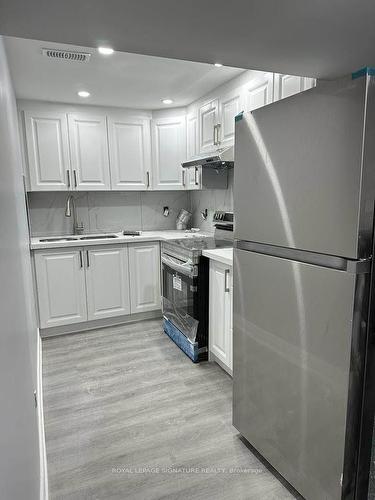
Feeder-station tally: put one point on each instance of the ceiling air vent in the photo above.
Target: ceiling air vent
(66, 55)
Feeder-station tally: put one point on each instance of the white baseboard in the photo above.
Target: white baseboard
(42, 439)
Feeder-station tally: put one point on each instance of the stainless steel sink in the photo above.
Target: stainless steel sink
(46, 240)
(79, 238)
(98, 237)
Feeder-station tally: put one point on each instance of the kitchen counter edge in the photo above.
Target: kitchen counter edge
(223, 255)
(145, 236)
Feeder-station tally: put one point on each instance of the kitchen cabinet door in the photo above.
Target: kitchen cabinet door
(194, 178)
(144, 264)
(309, 83)
(130, 153)
(258, 91)
(192, 135)
(47, 150)
(287, 85)
(169, 151)
(230, 105)
(220, 314)
(89, 152)
(193, 174)
(60, 277)
(208, 121)
(107, 282)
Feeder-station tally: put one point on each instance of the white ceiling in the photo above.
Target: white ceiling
(122, 79)
(322, 38)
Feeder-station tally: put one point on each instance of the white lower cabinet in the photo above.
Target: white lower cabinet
(144, 264)
(107, 282)
(220, 314)
(61, 287)
(84, 284)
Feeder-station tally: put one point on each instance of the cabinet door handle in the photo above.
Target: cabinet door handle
(75, 178)
(183, 177)
(195, 176)
(87, 258)
(226, 275)
(148, 179)
(68, 176)
(218, 126)
(214, 135)
(80, 259)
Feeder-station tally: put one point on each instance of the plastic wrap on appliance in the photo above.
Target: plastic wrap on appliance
(182, 320)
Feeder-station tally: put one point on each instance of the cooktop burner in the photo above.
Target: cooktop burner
(198, 244)
(191, 249)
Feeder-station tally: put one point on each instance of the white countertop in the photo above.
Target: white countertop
(223, 255)
(172, 234)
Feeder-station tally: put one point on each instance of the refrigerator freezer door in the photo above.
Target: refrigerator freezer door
(298, 171)
(291, 362)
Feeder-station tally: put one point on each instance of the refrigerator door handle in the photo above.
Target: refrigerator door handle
(362, 266)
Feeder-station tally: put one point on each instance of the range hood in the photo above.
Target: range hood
(217, 159)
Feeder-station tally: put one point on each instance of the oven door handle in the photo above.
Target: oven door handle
(185, 268)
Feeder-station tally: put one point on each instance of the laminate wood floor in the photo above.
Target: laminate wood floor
(129, 416)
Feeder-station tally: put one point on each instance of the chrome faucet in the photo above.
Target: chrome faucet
(70, 208)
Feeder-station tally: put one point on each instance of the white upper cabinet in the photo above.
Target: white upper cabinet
(287, 85)
(130, 153)
(168, 151)
(89, 152)
(193, 174)
(47, 150)
(309, 83)
(230, 105)
(258, 91)
(107, 282)
(208, 129)
(192, 135)
(60, 277)
(194, 178)
(144, 264)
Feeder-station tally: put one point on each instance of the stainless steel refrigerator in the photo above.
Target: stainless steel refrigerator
(304, 191)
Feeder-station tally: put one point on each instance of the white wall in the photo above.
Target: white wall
(19, 455)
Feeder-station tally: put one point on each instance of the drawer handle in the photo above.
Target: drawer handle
(226, 274)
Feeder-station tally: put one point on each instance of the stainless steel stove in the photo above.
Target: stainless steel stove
(185, 275)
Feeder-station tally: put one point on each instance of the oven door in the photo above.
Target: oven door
(180, 295)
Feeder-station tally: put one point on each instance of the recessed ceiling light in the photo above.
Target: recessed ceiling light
(167, 101)
(218, 65)
(83, 93)
(106, 51)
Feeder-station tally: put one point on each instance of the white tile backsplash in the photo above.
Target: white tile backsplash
(47, 213)
(212, 200)
(116, 210)
(105, 211)
(152, 208)
(111, 212)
